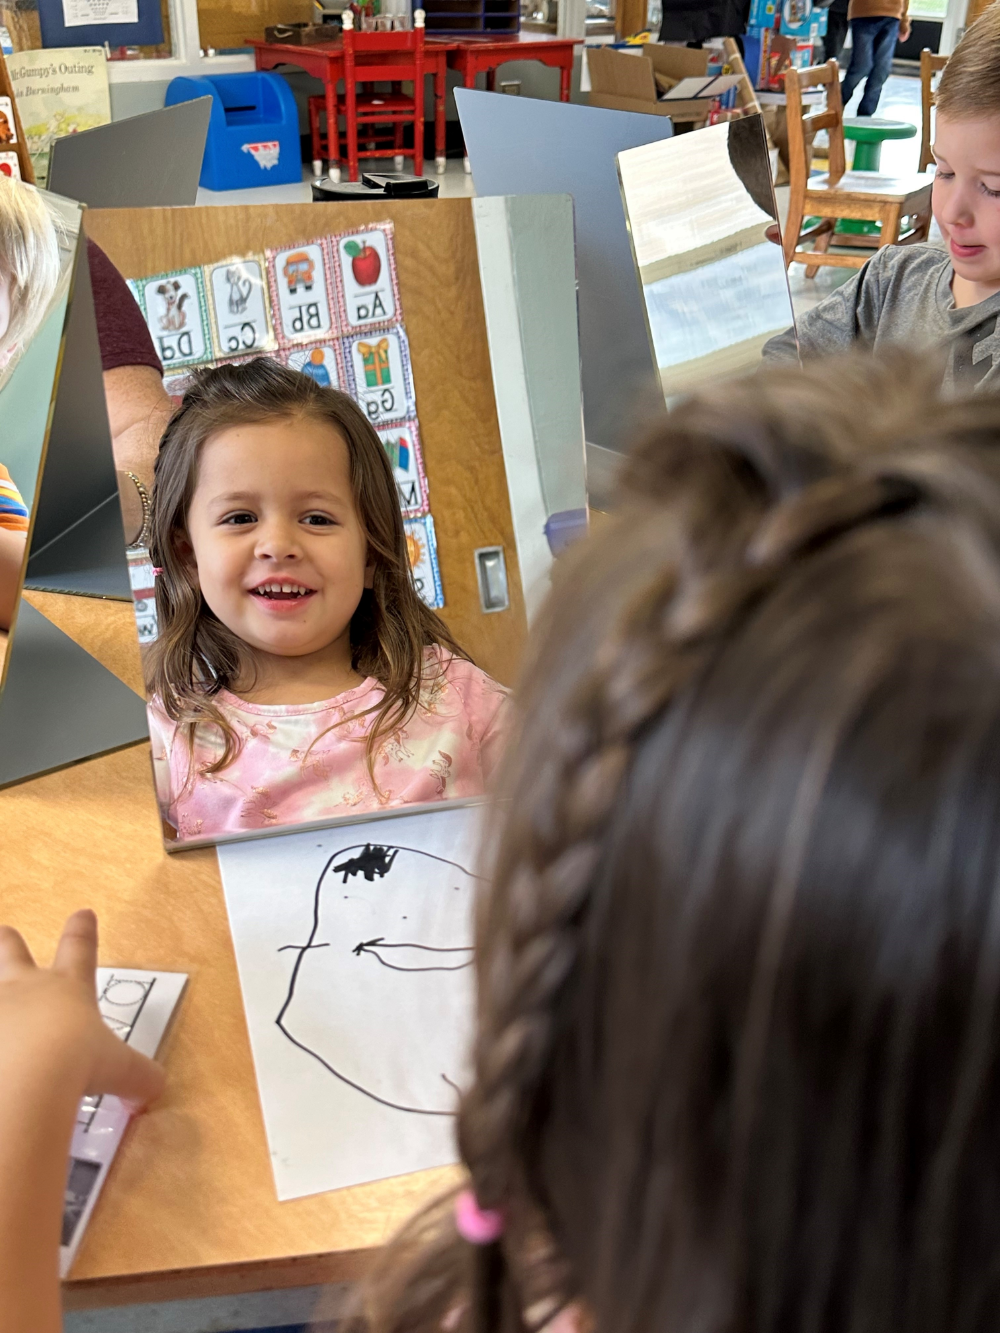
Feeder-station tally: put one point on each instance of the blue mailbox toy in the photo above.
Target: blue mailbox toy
(253, 131)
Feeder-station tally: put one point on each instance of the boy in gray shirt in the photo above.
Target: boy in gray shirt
(918, 295)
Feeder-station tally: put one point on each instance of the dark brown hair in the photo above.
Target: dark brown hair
(195, 655)
(737, 1061)
(970, 82)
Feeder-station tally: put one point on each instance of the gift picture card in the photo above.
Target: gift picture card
(238, 300)
(381, 380)
(402, 444)
(366, 265)
(321, 363)
(176, 313)
(301, 293)
(421, 547)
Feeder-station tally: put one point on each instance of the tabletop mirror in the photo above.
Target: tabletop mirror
(460, 419)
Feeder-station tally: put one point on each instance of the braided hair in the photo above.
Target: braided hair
(737, 1062)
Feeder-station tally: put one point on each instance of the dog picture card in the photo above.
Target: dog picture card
(177, 316)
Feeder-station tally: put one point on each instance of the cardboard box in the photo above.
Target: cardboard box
(622, 81)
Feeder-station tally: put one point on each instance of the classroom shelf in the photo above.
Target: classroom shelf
(469, 17)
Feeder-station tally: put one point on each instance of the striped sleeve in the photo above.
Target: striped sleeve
(13, 513)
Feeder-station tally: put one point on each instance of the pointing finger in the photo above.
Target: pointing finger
(76, 955)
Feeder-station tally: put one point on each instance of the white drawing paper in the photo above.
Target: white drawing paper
(355, 961)
(239, 307)
(365, 266)
(300, 281)
(137, 1006)
(84, 13)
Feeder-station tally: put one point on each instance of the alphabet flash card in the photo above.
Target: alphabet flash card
(402, 444)
(241, 321)
(175, 310)
(381, 381)
(300, 290)
(321, 363)
(366, 266)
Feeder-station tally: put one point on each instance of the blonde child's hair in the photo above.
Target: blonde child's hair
(970, 83)
(29, 258)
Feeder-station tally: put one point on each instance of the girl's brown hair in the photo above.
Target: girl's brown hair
(737, 1062)
(195, 655)
(970, 82)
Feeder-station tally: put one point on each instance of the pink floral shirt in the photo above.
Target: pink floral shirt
(292, 768)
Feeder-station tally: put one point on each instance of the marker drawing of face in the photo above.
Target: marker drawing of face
(382, 991)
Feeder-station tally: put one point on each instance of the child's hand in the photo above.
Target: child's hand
(50, 1021)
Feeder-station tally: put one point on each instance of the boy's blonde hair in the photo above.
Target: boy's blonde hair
(29, 259)
(970, 83)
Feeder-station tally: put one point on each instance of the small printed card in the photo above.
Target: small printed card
(366, 266)
(177, 386)
(421, 547)
(8, 131)
(321, 362)
(177, 315)
(381, 381)
(301, 293)
(402, 444)
(9, 165)
(241, 320)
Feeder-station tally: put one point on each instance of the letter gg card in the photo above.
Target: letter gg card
(366, 266)
(378, 367)
(300, 293)
(402, 444)
(321, 363)
(241, 321)
(421, 547)
(175, 310)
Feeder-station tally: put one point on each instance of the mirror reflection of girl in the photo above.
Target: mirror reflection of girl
(297, 674)
(29, 271)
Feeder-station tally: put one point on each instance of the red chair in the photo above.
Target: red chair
(375, 57)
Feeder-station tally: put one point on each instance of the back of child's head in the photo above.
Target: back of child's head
(737, 1064)
(195, 655)
(29, 260)
(970, 82)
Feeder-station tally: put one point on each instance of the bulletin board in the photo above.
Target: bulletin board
(439, 286)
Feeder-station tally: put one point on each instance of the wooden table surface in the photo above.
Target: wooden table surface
(189, 1208)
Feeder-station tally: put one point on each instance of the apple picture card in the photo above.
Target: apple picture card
(357, 982)
(301, 293)
(367, 268)
(241, 323)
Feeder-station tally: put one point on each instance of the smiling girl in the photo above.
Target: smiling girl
(297, 674)
(924, 295)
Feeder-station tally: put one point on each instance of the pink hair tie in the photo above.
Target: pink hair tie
(157, 570)
(479, 1226)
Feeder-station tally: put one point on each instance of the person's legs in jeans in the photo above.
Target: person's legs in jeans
(862, 55)
(882, 52)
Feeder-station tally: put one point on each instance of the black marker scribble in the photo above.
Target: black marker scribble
(371, 861)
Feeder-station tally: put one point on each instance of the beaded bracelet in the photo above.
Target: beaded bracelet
(147, 513)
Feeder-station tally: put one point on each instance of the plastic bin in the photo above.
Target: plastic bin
(253, 131)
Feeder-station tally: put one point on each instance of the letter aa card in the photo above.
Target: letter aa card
(241, 321)
(402, 444)
(366, 266)
(175, 311)
(378, 367)
(421, 547)
(320, 363)
(300, 293)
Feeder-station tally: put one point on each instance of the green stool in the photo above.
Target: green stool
(869, 134)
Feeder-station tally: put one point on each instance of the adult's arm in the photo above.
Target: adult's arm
(138, 405)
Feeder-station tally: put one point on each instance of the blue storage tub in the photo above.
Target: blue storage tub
(253, 131)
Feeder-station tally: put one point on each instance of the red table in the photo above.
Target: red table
(470, 56)
(325, 61)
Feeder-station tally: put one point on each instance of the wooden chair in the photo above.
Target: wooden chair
(375, 57)
(867, 195)
(930, 64)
